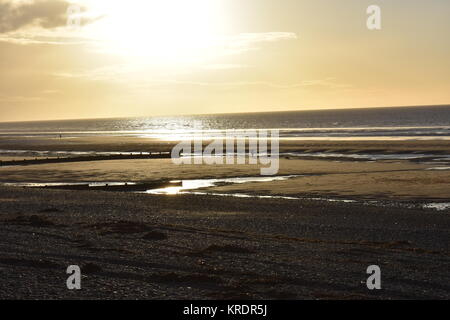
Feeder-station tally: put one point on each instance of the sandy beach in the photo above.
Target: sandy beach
(194, 247)
(224, 150)
(205, 246)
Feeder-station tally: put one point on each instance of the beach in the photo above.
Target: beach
(224, 150)
(134, 246)
(308, 233)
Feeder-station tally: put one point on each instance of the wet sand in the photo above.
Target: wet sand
(399, 179)
(137, 144)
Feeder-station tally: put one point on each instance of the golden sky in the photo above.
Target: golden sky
(161, 57)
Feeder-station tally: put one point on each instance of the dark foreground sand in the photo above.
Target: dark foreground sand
(193, 247)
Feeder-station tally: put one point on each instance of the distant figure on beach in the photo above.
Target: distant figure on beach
(60, 136)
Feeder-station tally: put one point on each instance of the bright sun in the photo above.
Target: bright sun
(160, 29)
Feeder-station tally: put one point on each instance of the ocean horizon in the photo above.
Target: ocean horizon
(423, 122)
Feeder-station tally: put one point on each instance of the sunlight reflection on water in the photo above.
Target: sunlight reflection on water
(207, 183)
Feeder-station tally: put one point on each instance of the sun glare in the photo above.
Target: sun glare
(159, 29)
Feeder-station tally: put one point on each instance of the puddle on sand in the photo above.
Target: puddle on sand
(189, 187)
(243, 195)
(207, 183)
(438, 206)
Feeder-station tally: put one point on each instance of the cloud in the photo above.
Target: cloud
(266, 36)
(328, 83)
(27, 39)
(224, 66)
(247, 41)
(18, 99)
(44, 13)
(42, 22)
(123, 73)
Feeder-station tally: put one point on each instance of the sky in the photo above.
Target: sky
(63, 59)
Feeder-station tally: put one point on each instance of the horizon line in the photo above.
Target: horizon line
(223, 113)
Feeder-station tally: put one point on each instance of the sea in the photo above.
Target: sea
(397, 123)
